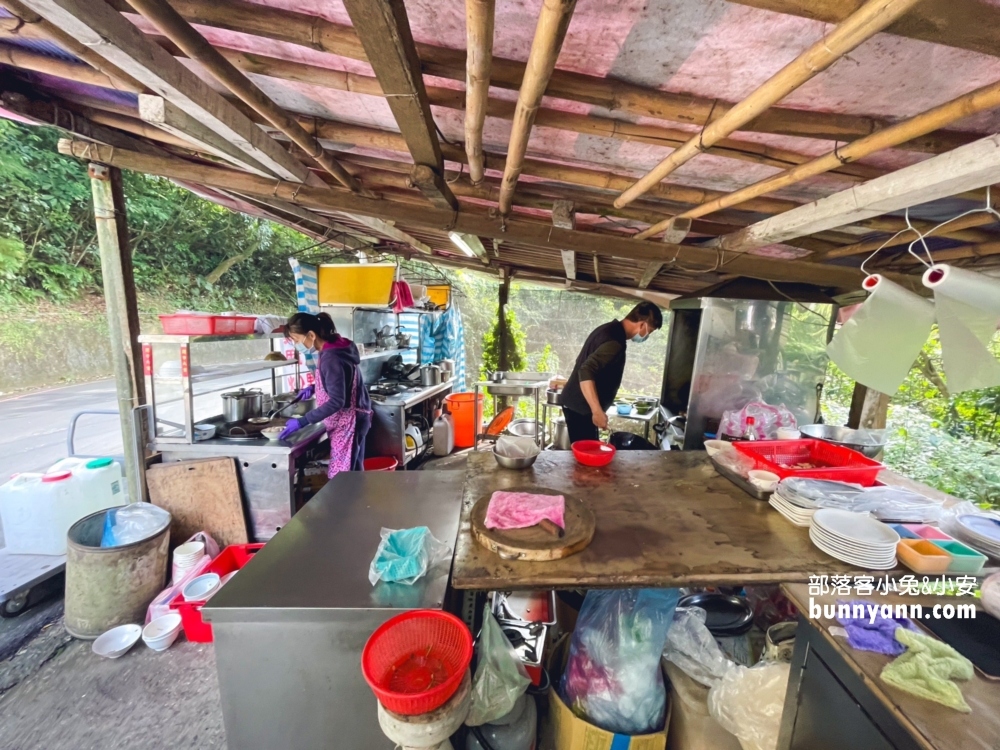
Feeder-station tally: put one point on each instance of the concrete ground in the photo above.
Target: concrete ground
(55, 694)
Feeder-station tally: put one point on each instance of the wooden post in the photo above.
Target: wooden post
(869, 409)
(122, 310)
(503, 333)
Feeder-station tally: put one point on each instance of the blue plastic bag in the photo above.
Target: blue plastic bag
(613, 677)
(405, 556)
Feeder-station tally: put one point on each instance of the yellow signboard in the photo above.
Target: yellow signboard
(356, 284)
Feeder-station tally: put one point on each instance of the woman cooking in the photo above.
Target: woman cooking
(342, 402)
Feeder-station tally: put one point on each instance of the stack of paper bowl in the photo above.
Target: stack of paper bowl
(855, 538)
(186, 556)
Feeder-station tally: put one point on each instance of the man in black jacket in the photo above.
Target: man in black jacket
(593, 385)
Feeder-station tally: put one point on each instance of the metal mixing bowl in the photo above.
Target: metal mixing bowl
(845, 436)
(514, 463)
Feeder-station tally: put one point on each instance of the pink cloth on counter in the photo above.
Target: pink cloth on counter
(519, 510)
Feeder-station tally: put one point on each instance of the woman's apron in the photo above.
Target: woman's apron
(340, 425)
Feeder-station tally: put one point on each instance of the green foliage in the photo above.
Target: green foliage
(516, 352)
(48, 244)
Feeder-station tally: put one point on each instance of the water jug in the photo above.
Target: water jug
(37, 511)
(99, 479)
(444, 435)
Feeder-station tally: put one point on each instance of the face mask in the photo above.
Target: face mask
(306, 349)
(639, 339)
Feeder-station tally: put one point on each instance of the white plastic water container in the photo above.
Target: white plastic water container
(444, 435)
(38, 509)
(100, 481)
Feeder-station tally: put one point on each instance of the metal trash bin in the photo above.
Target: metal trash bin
(109, 586)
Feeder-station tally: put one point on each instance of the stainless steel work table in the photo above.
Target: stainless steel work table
(289, 629)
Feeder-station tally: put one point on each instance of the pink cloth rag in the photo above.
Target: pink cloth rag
(402, 296)
(519, 510)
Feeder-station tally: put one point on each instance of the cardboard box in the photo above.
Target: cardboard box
(570, 732)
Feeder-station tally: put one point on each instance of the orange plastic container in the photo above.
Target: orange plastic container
(467, 419)
(923, 556)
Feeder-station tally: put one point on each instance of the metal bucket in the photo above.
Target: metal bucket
(111, 586)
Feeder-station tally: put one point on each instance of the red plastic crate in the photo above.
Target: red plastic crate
(196, 324)
(832, 461)
(233, 557)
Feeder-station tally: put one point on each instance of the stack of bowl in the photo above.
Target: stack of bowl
(186, 557)
(161, 633)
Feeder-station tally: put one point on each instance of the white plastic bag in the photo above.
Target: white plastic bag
(406, 555)
(613, 677)
(515, 446)
(748, 702)
(767, 420)
(693, 648)
(500, 677)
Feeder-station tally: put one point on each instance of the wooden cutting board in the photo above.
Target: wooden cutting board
(535, 544)
(201, 495)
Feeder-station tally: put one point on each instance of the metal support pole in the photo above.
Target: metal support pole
(122, 310)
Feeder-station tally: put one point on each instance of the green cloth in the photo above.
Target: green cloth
(927, 669)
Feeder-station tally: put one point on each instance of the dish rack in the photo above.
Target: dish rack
(828, 461)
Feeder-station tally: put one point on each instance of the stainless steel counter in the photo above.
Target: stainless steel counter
(411, 398)
(289, 629)
(298, 443)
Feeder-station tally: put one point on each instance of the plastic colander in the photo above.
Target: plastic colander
(414, 663)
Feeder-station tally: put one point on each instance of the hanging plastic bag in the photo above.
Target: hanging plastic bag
(748, 702)
(613, 678)
(133, 523)
(692, 647)
(405, 556)
(500, 677)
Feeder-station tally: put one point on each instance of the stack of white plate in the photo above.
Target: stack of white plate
(980, 532)
(797, 515)
(855, 538)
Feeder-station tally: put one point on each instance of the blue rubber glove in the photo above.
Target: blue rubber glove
(291, 427)
(307, 393)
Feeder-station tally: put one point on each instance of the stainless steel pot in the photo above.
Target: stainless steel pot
(553, 396)
(238, 406)
(523, 427)
(447, 368)
(430, 375)
(283, 406)
(560, 434)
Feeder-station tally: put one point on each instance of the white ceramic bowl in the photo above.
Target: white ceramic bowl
(271, 433)
(764, 480)
(113, 643)
(201, 587)
(204, 431)
(161, 633)
(718, 446)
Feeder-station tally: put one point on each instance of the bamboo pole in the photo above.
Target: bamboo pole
(19, 57)
(553, 22)
(181, 33)
(29, 24)
(479, 40)
(952, 229)
(867, 21)
(319, 34)
(983, 98)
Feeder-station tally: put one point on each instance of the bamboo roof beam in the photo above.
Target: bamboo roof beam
(863, 24)
(953, 230)
(553, 22)
(384, 30)
(980, 100)
(965, 24)
(19, 57)
(677, 230)
(96, 25)
(195, 46)
(965, 168)
(319, 34)
(27, 23)
(538, 235)
(479, 15)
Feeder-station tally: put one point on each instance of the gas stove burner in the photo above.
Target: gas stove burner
(386, 388)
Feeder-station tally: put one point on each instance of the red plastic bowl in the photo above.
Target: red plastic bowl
(414, 663)
(593, 452)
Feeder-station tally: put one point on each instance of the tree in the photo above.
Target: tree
(516, 351)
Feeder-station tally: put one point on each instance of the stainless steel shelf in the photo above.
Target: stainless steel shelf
(167, 338)
(215, 372)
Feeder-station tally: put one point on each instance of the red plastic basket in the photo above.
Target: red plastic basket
(593, 452)
(831, 461)
(198, 324)
(403, 658)
(233, 557)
